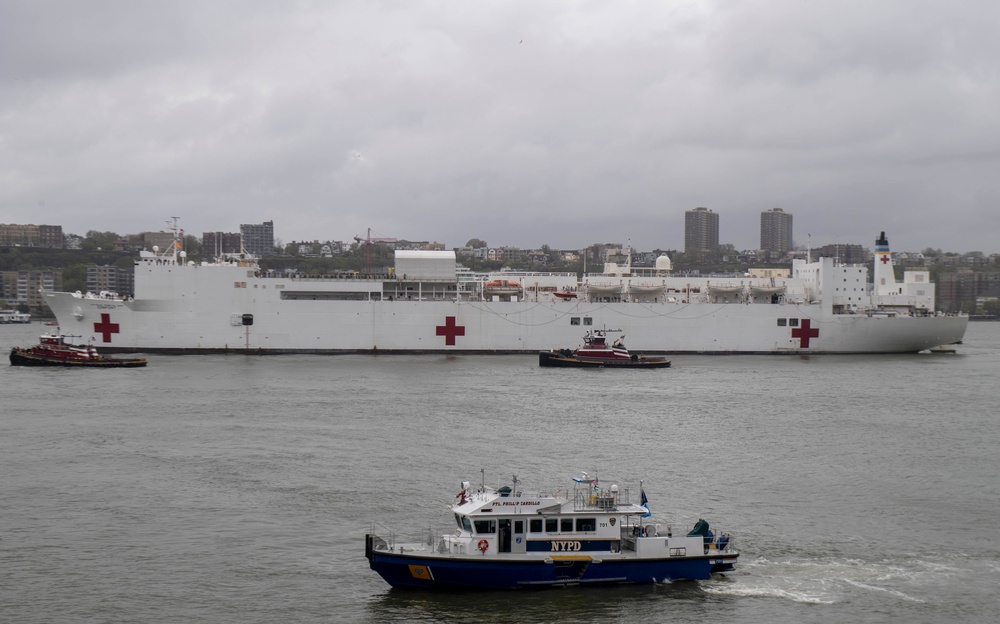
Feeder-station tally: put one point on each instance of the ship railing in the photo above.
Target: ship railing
(431, 540)
(387, 536)
(721, 542)
(339, 276)
(104, 294)
(718, 542)
(509, 274)
(587, 497)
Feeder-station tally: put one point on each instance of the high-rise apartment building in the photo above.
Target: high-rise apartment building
(701, 230)
(258, 239)
(776, 232)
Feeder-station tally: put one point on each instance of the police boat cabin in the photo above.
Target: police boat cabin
(590, 534)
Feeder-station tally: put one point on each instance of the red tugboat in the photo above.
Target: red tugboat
(54, 350)
(595, 353)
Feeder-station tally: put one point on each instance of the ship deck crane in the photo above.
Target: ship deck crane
(368, 241)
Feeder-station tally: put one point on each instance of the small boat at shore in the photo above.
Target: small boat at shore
(590, 534)
(595, 353)
(55, 350)
(13, 316)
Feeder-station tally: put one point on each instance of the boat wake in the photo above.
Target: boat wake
(831, 581)
(873, 588)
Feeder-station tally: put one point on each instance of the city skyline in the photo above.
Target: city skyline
(229, 241)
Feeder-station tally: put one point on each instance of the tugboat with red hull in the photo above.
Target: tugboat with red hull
(54, 350)
(595, 353)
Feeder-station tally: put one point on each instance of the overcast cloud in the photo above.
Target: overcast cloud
(520, 123)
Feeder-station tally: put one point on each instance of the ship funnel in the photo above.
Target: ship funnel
(885, 277)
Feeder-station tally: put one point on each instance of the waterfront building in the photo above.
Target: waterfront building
(258, 238)
(26, 286)
(30, 235)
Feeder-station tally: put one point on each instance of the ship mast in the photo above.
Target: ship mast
(177, 243)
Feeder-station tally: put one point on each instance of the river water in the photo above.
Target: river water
(239, 488)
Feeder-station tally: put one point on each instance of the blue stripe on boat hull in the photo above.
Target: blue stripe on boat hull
(445, 572)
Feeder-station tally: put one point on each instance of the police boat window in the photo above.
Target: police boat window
(467, 524)
(566, 525)
(551, 525)
(586, 524)
(485, 526)
(535, 526)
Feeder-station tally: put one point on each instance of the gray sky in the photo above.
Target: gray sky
(520, 123)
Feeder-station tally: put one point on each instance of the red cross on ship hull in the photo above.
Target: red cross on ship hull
(804, 333)
(449, 330)
(106, 328)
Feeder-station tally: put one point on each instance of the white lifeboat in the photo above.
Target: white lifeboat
(501, 287)
(762, 290)
(604, 290)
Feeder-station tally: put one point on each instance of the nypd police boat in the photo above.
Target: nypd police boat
(590, 534)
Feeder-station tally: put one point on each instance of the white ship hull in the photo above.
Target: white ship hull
(486, 327)
(189, 308)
